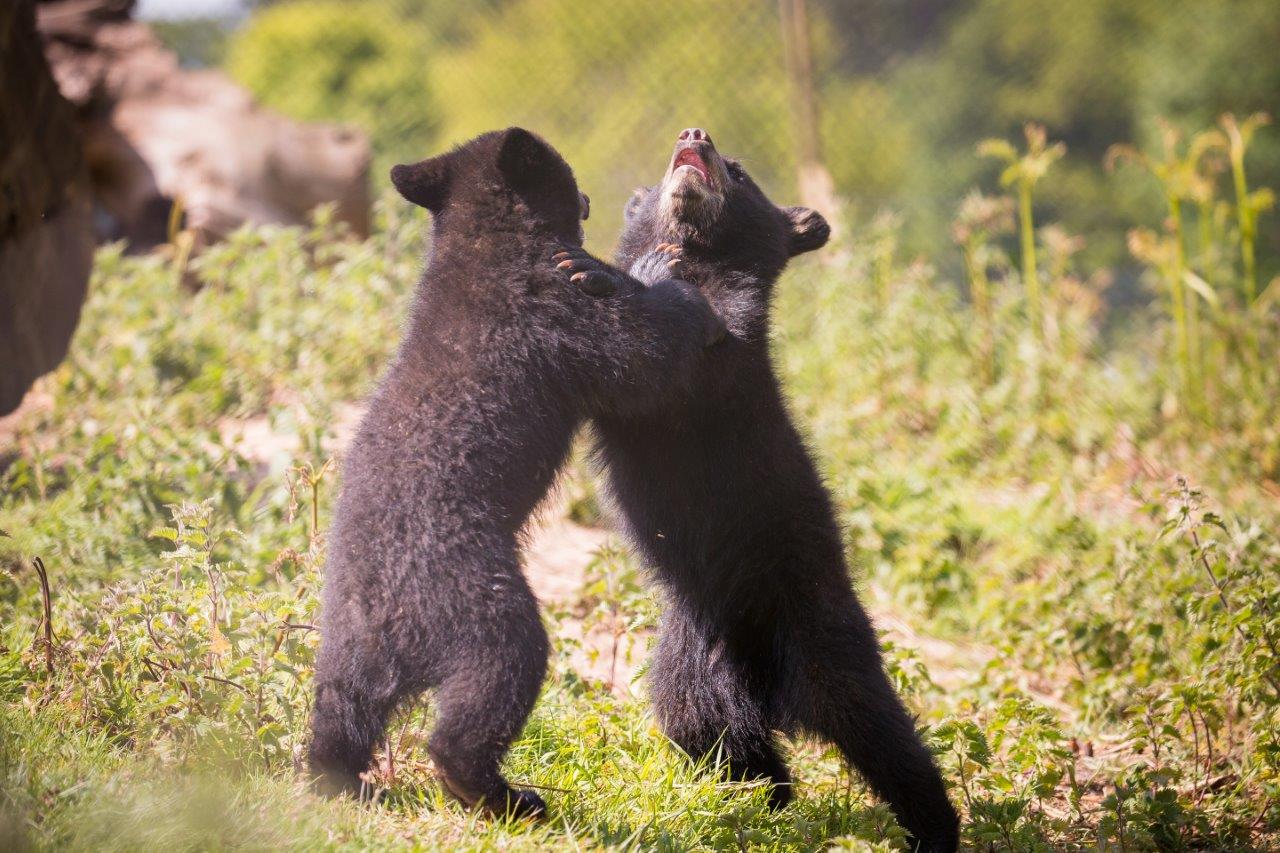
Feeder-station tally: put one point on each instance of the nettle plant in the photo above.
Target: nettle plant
(1010, 761)
(980, 221)
(614, 600)
(198, 653)
(1237, 607)
(1191, 255)
(1022, 172)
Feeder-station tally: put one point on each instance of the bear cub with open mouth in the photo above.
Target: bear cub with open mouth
(761, 631)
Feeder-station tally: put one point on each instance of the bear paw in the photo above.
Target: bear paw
(593, 277)
(658, 264)
(514, 804)
(523, 803)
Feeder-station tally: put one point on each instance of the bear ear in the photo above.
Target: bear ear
(632, 207)
(809, 229)
(426, 184)
(526, 162)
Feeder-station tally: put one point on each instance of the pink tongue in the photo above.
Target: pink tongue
(689, 158)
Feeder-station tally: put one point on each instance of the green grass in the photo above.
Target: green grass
(1103, 635)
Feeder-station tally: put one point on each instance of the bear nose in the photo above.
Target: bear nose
(694, 134)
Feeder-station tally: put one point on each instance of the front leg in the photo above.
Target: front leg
(600, 279)
(624, 345)
(654, 270)
(663, 263)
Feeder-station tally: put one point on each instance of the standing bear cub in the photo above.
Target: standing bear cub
(761, 630)
(515, 336)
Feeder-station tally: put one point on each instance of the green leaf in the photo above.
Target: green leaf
(1000, 149)
(1202, 288)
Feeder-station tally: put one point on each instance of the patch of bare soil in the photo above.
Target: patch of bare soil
(556, 558)
(36, 402)
(261, 442)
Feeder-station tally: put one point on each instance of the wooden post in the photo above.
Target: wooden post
(817, 190)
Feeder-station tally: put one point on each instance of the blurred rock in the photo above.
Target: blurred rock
(102, 133)
(156, 134)
(46, 235)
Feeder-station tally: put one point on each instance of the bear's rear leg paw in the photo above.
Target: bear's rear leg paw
(502, 801)
(335, 783)
(520, 803)
(507, 802)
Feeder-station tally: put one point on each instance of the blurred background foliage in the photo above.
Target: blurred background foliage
(906, 88)
(324, 60)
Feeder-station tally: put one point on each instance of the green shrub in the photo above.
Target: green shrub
(338, 61)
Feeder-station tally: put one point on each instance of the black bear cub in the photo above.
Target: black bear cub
(762, 630)
(516, 335)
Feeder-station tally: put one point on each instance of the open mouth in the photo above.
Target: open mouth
(689, 157)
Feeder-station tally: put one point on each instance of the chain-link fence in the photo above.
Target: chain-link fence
(609, 84)
(889, 96)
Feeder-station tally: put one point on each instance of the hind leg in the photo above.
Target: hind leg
(847, 698)
(357, 686)
(704, 704)
(484, 701)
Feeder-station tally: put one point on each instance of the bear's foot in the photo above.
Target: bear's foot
(333, 783)
(520, 803)
(502, 802)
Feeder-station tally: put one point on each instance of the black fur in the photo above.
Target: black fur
(762, 630)
(516, 335)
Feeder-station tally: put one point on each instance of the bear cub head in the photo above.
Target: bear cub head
(708, 204)
(502, 177)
